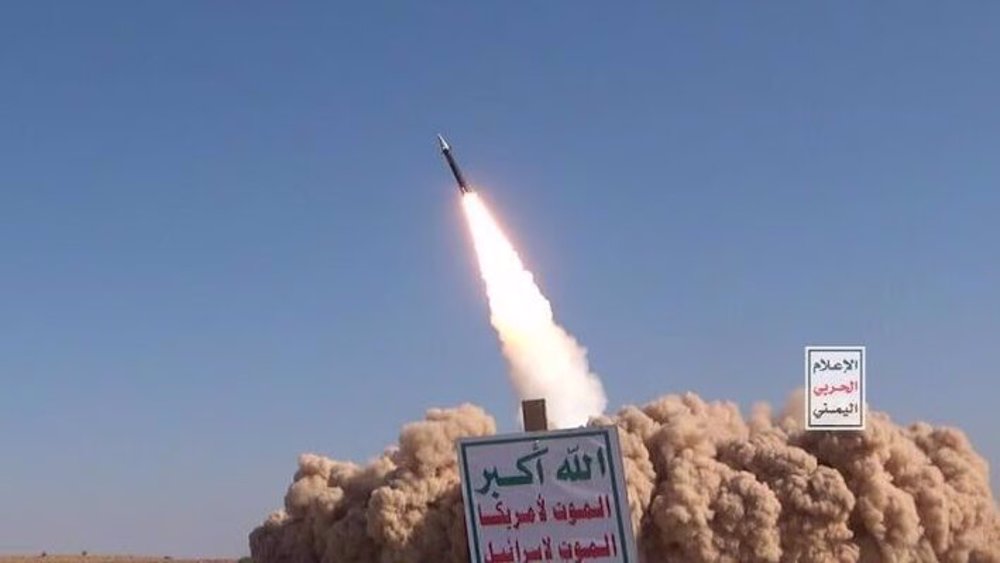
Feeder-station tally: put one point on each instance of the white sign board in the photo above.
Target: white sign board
(546, 496)
(835, 388)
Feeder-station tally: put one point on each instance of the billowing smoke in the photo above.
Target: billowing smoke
(704, 484)
(545, 361)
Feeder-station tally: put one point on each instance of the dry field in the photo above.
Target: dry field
(102, 559)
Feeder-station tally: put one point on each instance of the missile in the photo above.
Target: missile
(446, 151)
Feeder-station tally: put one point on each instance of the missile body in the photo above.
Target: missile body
(455, 170)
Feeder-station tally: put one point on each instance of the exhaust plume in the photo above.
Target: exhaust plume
(545, 361)
(704, 485)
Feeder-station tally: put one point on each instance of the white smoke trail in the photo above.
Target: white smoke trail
(546, 362)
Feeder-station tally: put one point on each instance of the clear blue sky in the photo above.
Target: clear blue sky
(227, 237)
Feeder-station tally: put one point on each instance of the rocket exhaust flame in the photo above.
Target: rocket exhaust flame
(545, 361)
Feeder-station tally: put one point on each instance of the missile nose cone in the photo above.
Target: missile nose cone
(443, 143)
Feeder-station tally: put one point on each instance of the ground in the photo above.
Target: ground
(37, 558)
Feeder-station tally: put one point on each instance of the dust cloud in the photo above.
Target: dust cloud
(705, 484)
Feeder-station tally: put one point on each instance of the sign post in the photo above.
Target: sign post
(541, 496)
(835, 388)
(533, 412)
